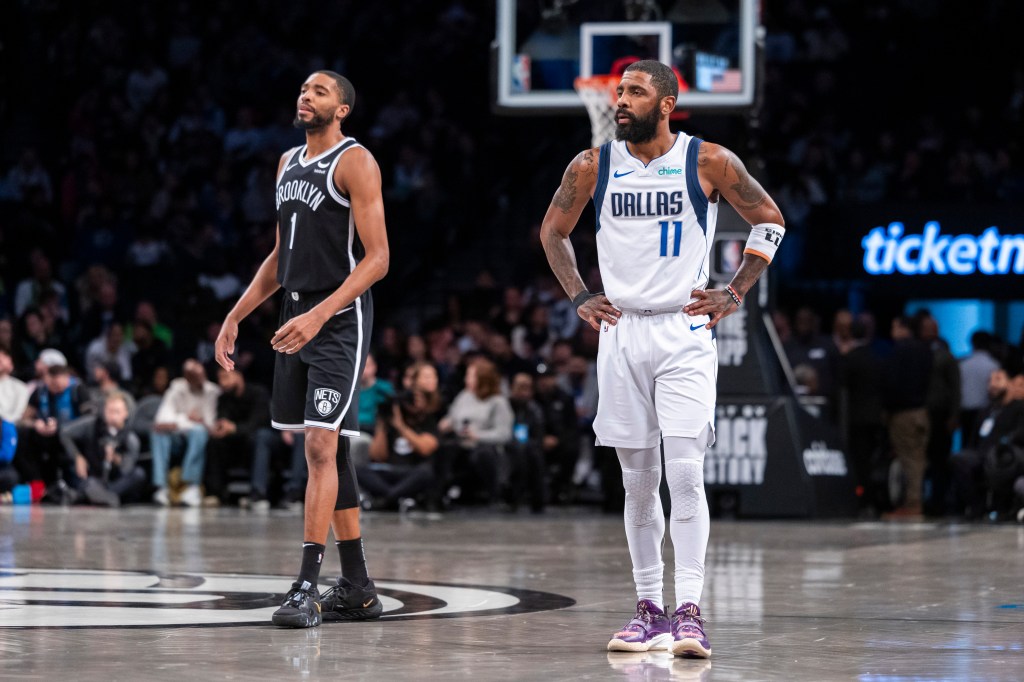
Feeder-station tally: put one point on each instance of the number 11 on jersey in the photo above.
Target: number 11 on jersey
(291, 238)
(677, 224)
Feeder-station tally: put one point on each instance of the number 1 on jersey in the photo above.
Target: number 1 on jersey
(291, 239)
(678, 225)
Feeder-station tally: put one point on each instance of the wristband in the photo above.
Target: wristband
(582, 298)
(737, 299)
(764, 240)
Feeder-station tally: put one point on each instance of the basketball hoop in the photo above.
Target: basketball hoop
(598, 95)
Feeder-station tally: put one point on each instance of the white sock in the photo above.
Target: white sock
(690, 521)
(650, 583)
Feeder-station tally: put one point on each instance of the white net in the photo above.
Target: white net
(598, 95)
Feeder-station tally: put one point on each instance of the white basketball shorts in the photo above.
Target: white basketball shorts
(657, 376)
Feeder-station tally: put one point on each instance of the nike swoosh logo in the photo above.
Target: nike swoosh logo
(343, 310)
(619, 175)
(288, 168)
(323, 164)
(367, 604)
(695, 327)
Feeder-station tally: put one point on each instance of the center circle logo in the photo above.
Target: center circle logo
(55, 598)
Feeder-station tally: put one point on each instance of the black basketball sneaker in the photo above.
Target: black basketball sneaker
(345, 601)
(300, 609)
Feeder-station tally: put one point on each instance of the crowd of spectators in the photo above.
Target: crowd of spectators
(904, 397)
(136, 183)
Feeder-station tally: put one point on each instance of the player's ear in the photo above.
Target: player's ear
(668, 105)
(343, 111)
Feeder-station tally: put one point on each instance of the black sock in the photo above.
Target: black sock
(312, 557)
(353, 561)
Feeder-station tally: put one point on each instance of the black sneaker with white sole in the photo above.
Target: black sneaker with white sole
(345, 601)
(301, 608)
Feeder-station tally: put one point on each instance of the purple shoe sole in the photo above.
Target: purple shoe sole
(656, 643)
(690, 648)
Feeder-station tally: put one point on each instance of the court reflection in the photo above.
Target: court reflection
(733, 584)
(299, 649)
(649, 666)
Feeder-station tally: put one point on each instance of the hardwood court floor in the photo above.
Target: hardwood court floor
(141, 593)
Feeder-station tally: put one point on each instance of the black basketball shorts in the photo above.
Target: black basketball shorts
(319, 385)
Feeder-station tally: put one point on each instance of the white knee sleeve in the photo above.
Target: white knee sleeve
(686, 485)
(642, 501)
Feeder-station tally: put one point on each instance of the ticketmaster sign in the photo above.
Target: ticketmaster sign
(890, 251)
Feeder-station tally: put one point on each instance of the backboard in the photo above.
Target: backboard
(541, 46)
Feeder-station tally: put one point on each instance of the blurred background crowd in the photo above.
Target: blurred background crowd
(139, 147)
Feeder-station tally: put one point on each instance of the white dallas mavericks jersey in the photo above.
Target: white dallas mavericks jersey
(655, 226)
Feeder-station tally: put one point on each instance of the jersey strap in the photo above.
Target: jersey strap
(332, 188)
(604, 164)
(697, 197)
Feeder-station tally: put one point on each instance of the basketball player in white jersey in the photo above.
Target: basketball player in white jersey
(656, 197)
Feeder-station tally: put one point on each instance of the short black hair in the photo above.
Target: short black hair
(345, 88)
(662, 77)
(113, 368)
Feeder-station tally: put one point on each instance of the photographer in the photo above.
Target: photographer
(405, 438)
(105, 454)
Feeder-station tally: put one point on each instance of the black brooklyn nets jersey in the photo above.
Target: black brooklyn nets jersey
(319, 244)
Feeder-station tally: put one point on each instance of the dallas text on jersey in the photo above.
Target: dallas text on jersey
(634, 204)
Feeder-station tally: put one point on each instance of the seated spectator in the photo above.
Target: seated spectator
(145, 314)
(286, 446)
(533, 338)
(106, 377)
(561, 441)
(104, 311)
(186, 416)
(58, 401)
(150, 355)
(30, 290)
(8, 474)
(525, 451)
(478, 426)
(14, 392)
(29, 342)
(110, 347)
(105, 454)
(808, 346)
(1000, 425)
(6, 330)
(373, 393)
(242, 434)
(405, 439)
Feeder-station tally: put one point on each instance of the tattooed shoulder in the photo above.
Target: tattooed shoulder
(585, 163)
(747, 192)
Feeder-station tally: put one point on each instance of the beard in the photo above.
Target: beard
(315, 122)
(640, 129)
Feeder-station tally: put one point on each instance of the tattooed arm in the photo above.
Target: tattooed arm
(722, 174)
(577, 187)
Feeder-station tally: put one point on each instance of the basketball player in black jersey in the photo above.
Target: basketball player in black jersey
(331, 246)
